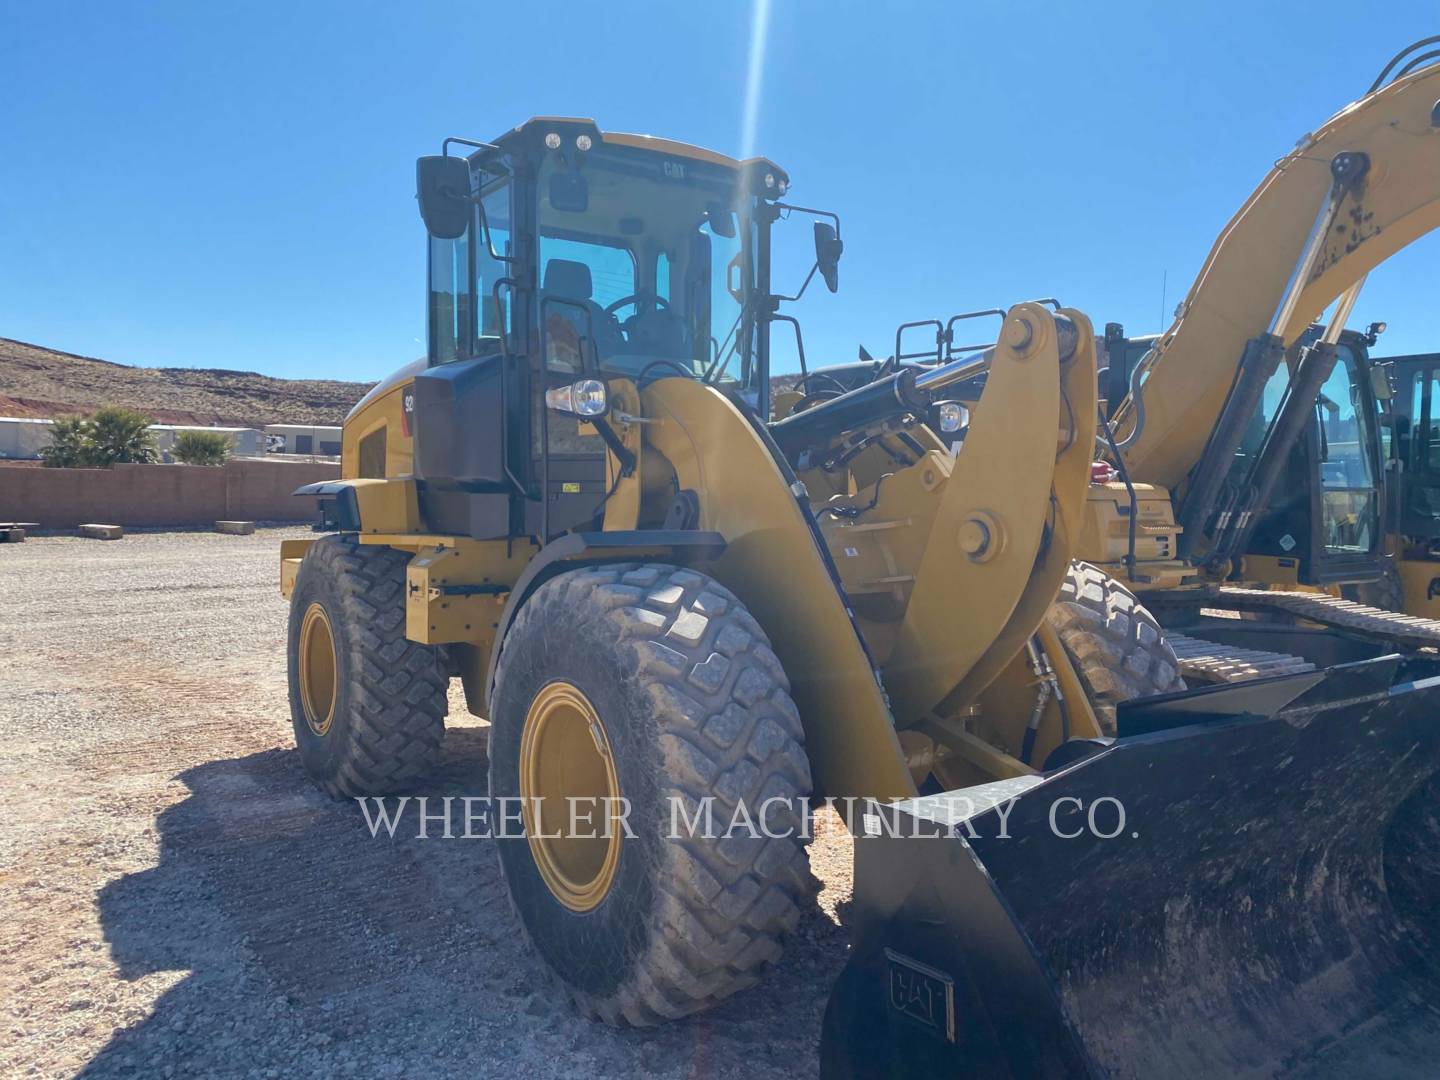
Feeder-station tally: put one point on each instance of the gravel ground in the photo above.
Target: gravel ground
(178, 900)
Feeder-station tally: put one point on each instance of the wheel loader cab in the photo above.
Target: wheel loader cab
(585, 257)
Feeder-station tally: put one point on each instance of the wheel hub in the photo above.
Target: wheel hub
(317, 669)
(570, 796)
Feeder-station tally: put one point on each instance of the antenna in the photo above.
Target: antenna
(1164, 281)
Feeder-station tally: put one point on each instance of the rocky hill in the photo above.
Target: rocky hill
(36, 381)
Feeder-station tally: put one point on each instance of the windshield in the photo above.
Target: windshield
(645, 267)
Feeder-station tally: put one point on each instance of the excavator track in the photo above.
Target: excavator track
(1407, 630)
(1207, 662)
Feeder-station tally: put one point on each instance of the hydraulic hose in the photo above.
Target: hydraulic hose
(906, 391)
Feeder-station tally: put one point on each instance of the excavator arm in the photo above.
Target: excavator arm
(1351, 194)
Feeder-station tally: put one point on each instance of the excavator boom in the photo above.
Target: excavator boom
(1247, 285)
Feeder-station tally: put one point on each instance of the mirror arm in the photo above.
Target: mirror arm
(803, 286)
(445, 146)
(834, 217)
(484, 220)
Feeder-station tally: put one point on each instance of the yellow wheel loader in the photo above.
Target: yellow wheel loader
(687, 619)
(671, 610)
(666, 604)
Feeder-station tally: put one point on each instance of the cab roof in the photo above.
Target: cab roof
(544, 124)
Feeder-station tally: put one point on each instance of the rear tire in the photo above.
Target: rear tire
(368, 706)
(693, 705)
(1116, 646)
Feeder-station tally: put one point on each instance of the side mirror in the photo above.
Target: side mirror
(828, 247)
(569, 192)
(442, 185)
(1380, 384)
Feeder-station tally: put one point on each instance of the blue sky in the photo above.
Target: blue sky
(231, 185)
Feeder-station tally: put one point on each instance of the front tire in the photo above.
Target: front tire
(652, 683)
(367, 704)
(1118, 649)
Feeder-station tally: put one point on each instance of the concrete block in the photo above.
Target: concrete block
(28, 526)
(101, 532)
(10, 534)
(235, 528)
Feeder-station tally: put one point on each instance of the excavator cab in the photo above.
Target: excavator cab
(1322, 524)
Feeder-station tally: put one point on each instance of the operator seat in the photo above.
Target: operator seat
(566, 325)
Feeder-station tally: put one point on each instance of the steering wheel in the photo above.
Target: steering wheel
(643, 301)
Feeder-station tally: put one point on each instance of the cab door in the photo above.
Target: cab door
(1415, 444)
(580, 281)
(1347, 499)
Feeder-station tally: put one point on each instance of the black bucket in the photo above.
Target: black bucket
(1253, 896)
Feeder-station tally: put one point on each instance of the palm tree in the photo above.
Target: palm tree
(121, 435)
(70, 444)
(201, 447)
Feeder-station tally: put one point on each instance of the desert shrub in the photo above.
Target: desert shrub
(71, 446)
(122, 435)
(201, 447)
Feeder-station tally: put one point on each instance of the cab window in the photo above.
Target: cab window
(1349, 506)
(641, 263)
(466, 317)
(449, 305)
(580, 282)
(493, 304)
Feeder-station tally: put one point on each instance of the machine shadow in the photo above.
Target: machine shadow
(397, 955)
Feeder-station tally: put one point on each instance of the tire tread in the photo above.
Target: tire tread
(398, 687)
(729, 730)
(1117, 646)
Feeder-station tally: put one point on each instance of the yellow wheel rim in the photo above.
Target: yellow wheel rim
(317, 669)
(570, 796)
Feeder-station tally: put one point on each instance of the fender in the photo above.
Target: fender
(368, 506)
(596, 548)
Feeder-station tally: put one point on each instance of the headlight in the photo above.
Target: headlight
(953, 416)
(585, 398)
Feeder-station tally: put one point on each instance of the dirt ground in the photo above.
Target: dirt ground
(178, 900)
